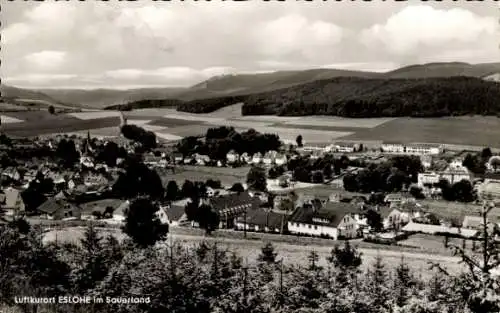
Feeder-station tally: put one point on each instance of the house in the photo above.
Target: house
(13, 203)
(268, 159)
(12, 173)
(423, 149)
(245, 158)
(256, 158)
(175, 213)
(347, 147)
(261, 220)
(153, 160)
(451, 175)
(426, 161)
(178, 158)
(202, 159)
(411, 149)
(120, 213)
(30, 175)
(57, 209)
(489, 189)
(232, 157)
(230, 206)
(189, 160)
(162, 214)
(280, 159)
(398, 198)
(393, 147)
(87, 161)
(394, 218)
(335, 221)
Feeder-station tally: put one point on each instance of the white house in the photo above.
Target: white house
(394, 218)
(335, 220)
(347, 147)
(257, 158)
(201, 159)
(423, 149)
(245, 158)
(393, 147)
(232, 157)
(280, 159)
(411, 149)
(452, 176)
(268, 158)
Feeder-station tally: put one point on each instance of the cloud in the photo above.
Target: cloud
(157, 43)
(423, 26)
(15, 33)
(296, 34)
(46, 59)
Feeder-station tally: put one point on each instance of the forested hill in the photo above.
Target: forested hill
(362, 97)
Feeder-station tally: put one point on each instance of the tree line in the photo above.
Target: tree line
(221, 140)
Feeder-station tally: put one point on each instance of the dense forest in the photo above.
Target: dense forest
(362, 97)
(210, 104)
(143, 104)
(357, 97)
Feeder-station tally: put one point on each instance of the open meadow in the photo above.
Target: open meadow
(169, 124)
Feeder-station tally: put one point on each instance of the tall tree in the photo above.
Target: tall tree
(298, 140)
(143, 225)
(256, 178)
(172, 192)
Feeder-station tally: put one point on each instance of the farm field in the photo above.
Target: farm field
(475, 130)
(295, 254)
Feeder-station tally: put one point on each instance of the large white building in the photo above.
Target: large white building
(452, 176)
(411, 149)
(335, 220)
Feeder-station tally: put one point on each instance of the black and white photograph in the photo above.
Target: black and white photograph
(251, 156)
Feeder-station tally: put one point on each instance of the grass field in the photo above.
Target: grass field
(456, 132)
(477, 131)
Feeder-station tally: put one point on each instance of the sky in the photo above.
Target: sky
(97, 44)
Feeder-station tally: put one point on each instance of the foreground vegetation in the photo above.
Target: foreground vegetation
(172, 278)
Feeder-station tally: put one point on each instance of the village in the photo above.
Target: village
(278, 199)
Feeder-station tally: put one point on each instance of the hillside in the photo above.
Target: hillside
(448, 69)
(244, 84)
(20, 94)
(100, 98)
(358, 97)
(143, 104)
(223, 88)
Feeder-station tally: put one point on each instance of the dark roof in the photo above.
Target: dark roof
(175, 212)
(333, 212)
(264, 218)
(234, 202)
(53, 205)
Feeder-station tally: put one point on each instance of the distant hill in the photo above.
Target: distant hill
(14, 93)
(359, 97)
(220, 91)
(244, 84)
(449, 69)
(100, 98)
